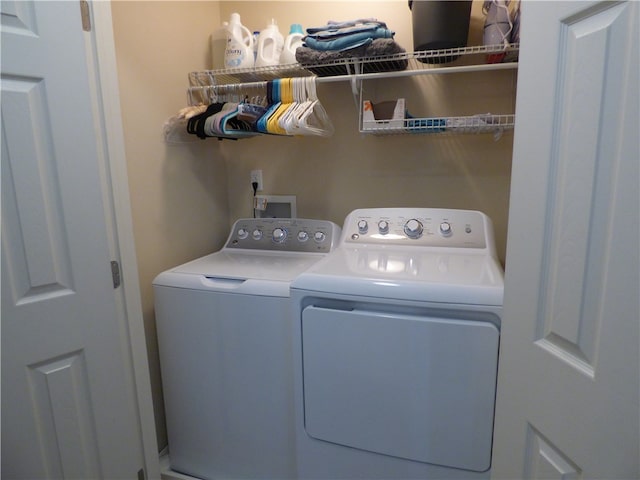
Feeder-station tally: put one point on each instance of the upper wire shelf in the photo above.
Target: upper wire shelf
(429, 61)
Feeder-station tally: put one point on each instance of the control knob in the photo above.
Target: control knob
(243, 233)
(303, 236)
(413, 228)
(319, 237)
(445, 229)
(279, 235)
(363, 227)
(383, 227)
(256, 234)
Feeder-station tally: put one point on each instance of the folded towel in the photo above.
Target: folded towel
(315, 60)
(333, 25)
(341, 41)
(329, 32)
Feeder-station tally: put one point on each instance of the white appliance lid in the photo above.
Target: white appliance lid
(245, 272)
(262, 265)
(417, 274)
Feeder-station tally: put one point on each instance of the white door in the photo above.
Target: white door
(568, 383)
(68, 399)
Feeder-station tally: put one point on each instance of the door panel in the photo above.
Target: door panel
(61, 402)
(19, 18)
(38, 243)
(544, 460)
(579, 204)
(568, 404)
(410, 386)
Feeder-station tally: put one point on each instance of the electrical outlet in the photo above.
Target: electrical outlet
(256, 177)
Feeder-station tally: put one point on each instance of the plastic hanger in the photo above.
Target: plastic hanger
(273, 96)
(300, 102)
(314, 120)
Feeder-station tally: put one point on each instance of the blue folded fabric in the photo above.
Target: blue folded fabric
(330, 31)
(339, 43)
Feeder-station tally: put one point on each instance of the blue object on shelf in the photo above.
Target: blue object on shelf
(426, 125)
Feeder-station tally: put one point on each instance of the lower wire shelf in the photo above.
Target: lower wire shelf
(481, 123)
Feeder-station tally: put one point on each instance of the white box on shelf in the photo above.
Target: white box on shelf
(371, 122)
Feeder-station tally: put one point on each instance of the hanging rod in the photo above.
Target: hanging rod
(370, 76)
(354, 78)
(229, 87)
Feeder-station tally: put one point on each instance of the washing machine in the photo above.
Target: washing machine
(396, 338)
(224, 337)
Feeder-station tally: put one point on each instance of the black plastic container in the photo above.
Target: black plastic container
(439, 24)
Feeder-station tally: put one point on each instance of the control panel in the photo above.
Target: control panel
(284, 234)
(427, 227)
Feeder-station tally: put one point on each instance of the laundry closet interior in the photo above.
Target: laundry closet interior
(185, 196)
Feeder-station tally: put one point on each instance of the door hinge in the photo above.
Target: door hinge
(115, 274)
(85, 12)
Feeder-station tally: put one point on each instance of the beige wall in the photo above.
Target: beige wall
(178, 192)
(184, 197)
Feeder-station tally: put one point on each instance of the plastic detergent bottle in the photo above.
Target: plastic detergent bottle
(270, 43)
(239, 51)
(219, 45)
(291, 43)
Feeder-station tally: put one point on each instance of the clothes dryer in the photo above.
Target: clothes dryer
(396, 338)
(224, 335)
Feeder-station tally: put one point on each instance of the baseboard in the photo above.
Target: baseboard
(167, 474)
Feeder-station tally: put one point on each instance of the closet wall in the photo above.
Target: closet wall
(178, 192)
(185, 197)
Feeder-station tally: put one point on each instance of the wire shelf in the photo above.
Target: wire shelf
(483, 123)
(413, 62)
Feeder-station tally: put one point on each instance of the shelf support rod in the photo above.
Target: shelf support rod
(356, 84)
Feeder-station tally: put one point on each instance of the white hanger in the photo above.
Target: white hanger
(314, 120)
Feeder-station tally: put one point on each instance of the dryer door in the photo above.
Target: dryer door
(410, 386)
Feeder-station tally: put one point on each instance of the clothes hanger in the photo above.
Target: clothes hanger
(298, 124)
(314, 120)
(273, 95)
(301, 100)
(273, 125)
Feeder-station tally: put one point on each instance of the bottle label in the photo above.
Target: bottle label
(233, 55)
